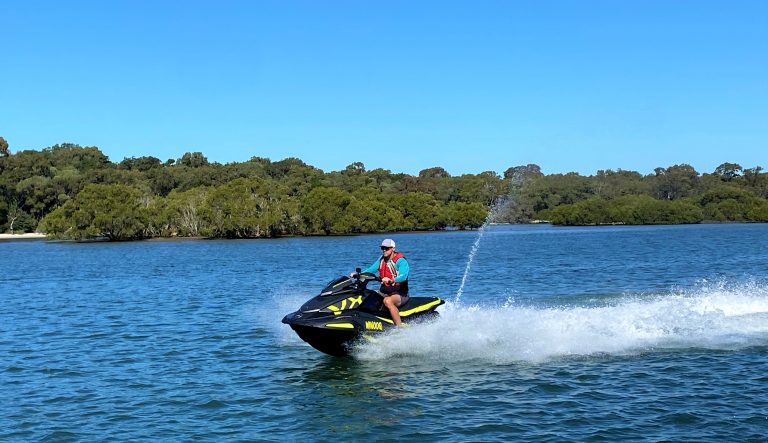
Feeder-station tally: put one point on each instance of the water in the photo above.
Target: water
(560, 334)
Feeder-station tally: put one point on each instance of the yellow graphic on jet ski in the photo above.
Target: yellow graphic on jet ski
(353, 301)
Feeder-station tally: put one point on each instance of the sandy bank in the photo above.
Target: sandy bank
(29, 236)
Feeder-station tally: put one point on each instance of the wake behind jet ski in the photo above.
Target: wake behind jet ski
(346, 310)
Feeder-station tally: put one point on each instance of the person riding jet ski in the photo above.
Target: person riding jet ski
(393, 269)
(346, 311)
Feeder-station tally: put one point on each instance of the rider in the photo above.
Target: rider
(393, 269)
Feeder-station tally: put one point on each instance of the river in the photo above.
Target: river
(614, 333)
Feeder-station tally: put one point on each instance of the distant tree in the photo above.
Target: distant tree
(193, 160)
(610, 184)
(756, 181)
(13, 213)
(280, 169)
(520, 173)
(67, 183)
(485, 187)
(76, 156)
(731, 203)
(38, 195)
(142, 164)
(355, 168)
(436, 172)
(24, 164)
(675, 182)
(114, 211)
(629, 210)
(728, 171)
(326, 211)
(181, 213)
(549, 191)
(163, 180)
(466, 215)
(4, 152)
(376, 214)
(243, 208)
(593, 211)
(113, 175)
(420, 212)
(261, 160)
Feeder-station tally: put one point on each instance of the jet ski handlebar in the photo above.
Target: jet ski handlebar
(365, 277)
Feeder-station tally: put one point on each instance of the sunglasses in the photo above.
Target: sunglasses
(384, 248)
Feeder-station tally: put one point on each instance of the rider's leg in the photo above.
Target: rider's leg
(392, 302)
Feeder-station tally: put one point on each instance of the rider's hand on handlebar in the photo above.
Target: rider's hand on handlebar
(386, 280)
(353, 275)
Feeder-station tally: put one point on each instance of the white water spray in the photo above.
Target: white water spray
(476, 245)
(512, 197)
(717, 316)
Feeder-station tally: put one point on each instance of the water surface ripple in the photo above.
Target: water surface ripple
(566, 334)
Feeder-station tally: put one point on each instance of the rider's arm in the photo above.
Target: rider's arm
(402, 270)
(373, 268)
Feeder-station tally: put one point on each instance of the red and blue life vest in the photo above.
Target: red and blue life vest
(388, 268)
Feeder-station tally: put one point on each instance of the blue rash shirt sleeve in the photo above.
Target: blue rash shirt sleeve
(374, 268)
(403, 268)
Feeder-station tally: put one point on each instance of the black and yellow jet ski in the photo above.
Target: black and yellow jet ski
(346, 310)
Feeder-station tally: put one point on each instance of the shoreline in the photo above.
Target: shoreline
(25, 236)
(41, 236)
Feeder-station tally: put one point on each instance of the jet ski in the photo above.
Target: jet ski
(346, 311)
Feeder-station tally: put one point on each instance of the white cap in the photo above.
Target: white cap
(388, 243)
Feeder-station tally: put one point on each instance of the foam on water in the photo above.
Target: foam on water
(269, 313)
(713, 316)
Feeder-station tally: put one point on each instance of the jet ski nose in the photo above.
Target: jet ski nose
(293, 316)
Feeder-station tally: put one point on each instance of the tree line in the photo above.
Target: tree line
(75, 192)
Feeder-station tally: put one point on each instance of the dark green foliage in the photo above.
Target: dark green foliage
(38, 195)
(162, 181)
(465, 215)
(550, 191)
(243, 208)
(756, 181)
(25, 164)
(436, 172)
(76, 192)
(675, 182)
(627, 210)
(420, 212)
(142, 164)
(113, 211)
(192, 160)
(75, 156)
(729, 203)
(520, 173)
(330, 211)
(612, 184)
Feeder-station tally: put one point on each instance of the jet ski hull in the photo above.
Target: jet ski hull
(337, 333)
(332, 342)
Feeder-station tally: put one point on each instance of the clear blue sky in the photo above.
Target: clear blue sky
(404, 85)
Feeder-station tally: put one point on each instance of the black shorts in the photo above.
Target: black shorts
(391, 289)
(402, 290)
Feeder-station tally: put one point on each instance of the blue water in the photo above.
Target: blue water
(560, 334)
